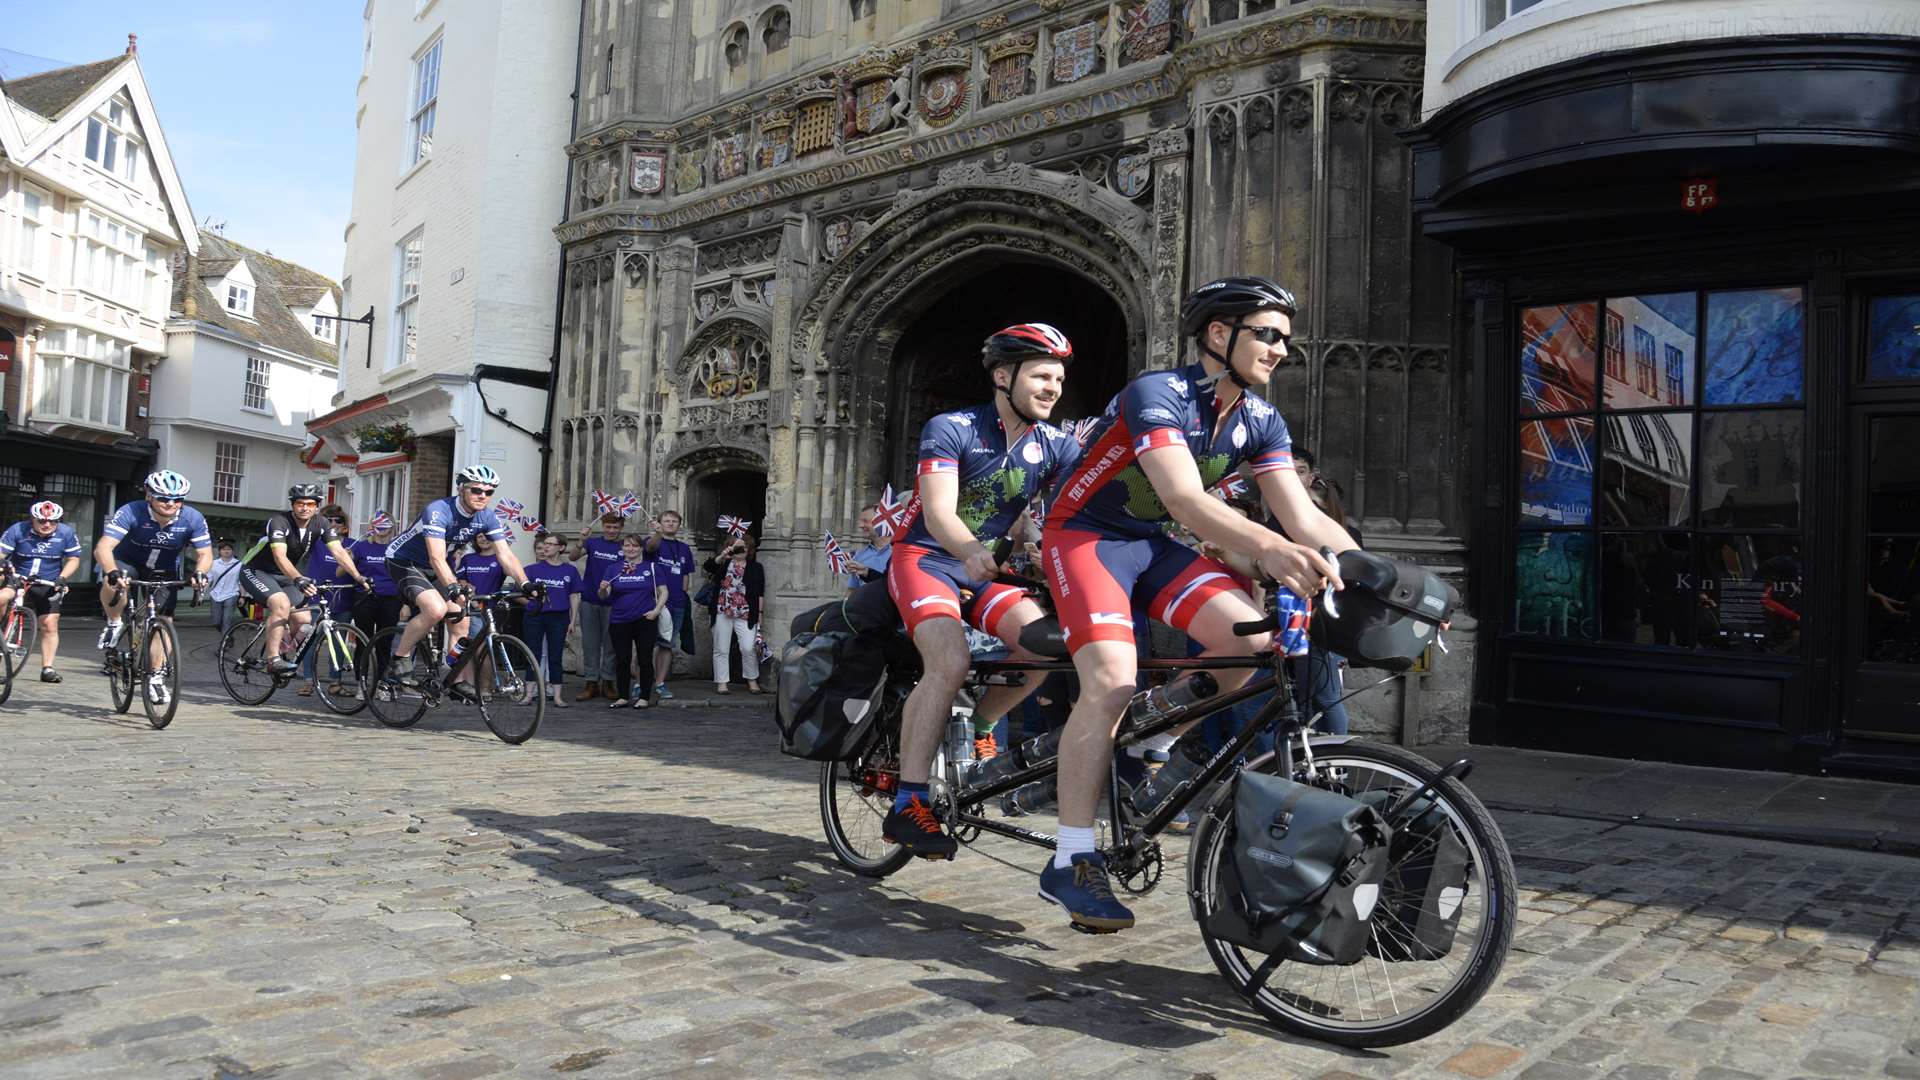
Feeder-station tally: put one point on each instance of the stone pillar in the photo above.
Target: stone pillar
(672, 306)
(1168, 152)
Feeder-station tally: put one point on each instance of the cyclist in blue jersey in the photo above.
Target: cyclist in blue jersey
(417, 558)
(41, 548)
(143, 540)
(1164, 440)
(979, 468)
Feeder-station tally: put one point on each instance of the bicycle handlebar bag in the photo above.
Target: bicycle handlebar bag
(1386, 615)
(1303, 872)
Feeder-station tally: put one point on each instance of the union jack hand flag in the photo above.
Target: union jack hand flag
(511, 509)
(837, 558)
(508, 531)
(381, 520)
(1082, 429)
(894, 512)
(532, 525)
(734, 526)
(1231, 486)
(629, 503)
(605, 503)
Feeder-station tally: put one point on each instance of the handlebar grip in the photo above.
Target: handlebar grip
(1257, 626)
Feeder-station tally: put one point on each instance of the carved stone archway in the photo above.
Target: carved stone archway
(719, 397)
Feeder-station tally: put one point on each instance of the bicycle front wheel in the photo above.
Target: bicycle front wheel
(339, 669)
(160, 690)
(855, 797)
(396, 702)
(122, 669)
(17, 639)
(242, 663)
(511, 701)
(1377, 1001)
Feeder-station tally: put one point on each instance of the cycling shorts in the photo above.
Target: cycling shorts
(1096, 581)
(412, 579)
(260, 586)
(928, 584)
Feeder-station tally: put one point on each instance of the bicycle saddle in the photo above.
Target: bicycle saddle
(1043, 637)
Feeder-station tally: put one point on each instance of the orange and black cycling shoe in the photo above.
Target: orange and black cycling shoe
(914, 827)
(985, 749)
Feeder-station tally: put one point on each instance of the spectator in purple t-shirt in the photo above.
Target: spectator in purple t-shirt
(635, 601)
(673, 562)
(549, 621)
(601, 554)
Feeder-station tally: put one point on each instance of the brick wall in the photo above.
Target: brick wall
(432, 470)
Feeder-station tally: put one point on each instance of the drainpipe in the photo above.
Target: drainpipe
(560, 283)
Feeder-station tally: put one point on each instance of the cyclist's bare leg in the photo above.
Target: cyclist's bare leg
(1106, 670)
(944, 660)
(278, 608)
(49, 636)
(998, 701)
(457, 630)
(6, 597)
(155, 657)
(430, 608)
(113, 602)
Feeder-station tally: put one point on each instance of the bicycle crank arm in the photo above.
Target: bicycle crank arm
(1025, 836)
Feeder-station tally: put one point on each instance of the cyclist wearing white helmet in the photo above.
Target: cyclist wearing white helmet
(417, 558)
(41, 548)
(270, 573)
(143, 540)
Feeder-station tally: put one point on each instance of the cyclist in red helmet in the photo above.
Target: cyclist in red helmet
(979, 468)
(41, 548)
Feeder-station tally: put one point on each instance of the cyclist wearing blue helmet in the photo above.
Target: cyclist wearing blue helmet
(417, 557)
(143, 540)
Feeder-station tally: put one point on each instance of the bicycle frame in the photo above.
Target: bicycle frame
(323, 623)
(479, 642)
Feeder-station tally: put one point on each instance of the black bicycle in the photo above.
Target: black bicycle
(1397, 993)
(146, 655)
(339, 652)
(501, 679)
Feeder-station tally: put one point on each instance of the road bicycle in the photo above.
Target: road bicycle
(1374, 1002)
(511, 695)
(339, 651)
(18, 629)
(130, 661)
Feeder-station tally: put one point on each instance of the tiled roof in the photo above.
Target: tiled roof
(50, 92)
(277, 286)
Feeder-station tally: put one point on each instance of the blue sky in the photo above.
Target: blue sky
(256, 102)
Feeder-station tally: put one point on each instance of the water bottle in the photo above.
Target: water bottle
(1184, 763)
(1030, 798)
(1163, 701)
(1020, 756)
(960, 742)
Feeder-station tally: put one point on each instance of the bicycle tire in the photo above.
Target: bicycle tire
(16, 656)
(522, 694)
(160, 713)
(241, 661)
(395, 707)
(1319, 1020)
(6, 683)
(860, 848)
(336, 662)
(121, 669)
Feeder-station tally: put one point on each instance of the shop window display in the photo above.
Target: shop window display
(1893, 337)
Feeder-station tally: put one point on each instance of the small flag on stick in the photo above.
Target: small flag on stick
(629, 503)
(381, 520)
(894, 512)
(1231, 486)
(511, 509)
(604, 502)
(734, 526)
(837, 558)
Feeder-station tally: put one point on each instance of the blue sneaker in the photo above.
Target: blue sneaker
(661, 692)
(1083, 889)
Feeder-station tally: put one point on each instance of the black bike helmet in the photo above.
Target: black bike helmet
(304, 491)
(1226, 300)
(1386, 615)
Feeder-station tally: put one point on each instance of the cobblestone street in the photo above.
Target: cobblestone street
(276, 890)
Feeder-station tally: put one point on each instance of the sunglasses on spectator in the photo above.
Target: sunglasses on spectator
(1266, 335)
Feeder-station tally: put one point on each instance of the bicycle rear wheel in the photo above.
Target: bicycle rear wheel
(339, 660)
(16, 638)
(242, 663)
(511, 702)
(1375, 1002)
(855, 797)
(6, 683)
(122, 670)
(397, 702)
(162, 679)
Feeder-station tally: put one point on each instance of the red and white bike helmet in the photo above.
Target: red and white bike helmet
(46, 510)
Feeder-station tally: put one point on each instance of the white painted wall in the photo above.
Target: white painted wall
(1464, 57)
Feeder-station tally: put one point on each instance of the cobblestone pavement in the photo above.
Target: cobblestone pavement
(274, 890)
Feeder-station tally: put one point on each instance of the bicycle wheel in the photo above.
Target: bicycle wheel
(122, 670)
(511, 702)
(242, 663)
(6, 682)
(855, 797)
(163, 678)
(17, 639)
(338, 660)
(1374, 1002)
(396, 702)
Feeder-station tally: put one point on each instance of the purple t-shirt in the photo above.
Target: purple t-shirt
(602, 556)
(560, 581)
(371, 557)
(480, 571)
(673, 561)
(632, 591)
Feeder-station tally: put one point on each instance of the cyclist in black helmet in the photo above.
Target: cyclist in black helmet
(270, 572)
(1149, 461)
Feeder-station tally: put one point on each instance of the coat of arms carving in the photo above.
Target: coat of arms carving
(943, 94)
(689, 170)
(648, 172)
(596, 183)
(776, 142)
(1076, 52)
(1132, 172)
(729, 156)
(1146, 30)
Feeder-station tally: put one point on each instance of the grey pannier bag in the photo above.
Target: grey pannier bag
(1420, 902)
(829, 695)
(1303, 872)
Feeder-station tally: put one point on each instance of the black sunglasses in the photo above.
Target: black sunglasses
(479, 491)
(168, 498)
(1266, 335)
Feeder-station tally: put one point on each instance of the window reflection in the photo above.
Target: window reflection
(1893, 600)
(1750, 593)
(1647, 593)
(1556, 358)
(1648, 478)
(1755, 345)
(1650, 349)
(1750, 469)
(1556, 471)
(1553, 585)
(1893, 337)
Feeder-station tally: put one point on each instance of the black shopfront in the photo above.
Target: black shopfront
(1690, 284)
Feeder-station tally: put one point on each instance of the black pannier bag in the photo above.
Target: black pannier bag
(1426, 886)
(1303, 874)
(828, 695)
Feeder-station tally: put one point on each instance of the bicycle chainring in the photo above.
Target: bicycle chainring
(1139, 874)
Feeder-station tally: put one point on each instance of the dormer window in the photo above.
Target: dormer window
(323, 327)
(112, 144)
(240, 300)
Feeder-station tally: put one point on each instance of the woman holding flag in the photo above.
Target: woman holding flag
(737, 605)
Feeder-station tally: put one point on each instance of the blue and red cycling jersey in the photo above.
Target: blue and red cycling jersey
(997, 481)
(1107, 494)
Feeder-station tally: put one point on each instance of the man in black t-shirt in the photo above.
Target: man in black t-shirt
(272, 573)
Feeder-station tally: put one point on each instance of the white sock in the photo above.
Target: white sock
(113, 624)
(1073, 841)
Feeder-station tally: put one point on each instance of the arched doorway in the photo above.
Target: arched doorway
(937, 362)
(732, 490)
